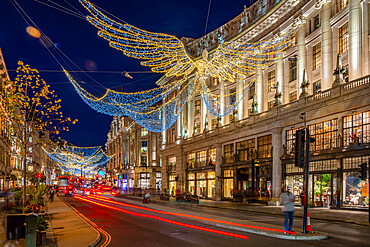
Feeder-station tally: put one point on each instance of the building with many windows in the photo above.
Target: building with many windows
(5, 130)
(322, 82)
(136, 163)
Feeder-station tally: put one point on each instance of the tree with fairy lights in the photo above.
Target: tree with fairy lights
(34, 109)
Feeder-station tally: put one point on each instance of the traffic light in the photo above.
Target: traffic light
(363, 174)
(299, 148)
(39, 175)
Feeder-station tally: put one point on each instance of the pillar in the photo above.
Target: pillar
(204, 115)
(239, 94)
(179, 126)
(180, 173)
(279, 81)
(326, 47)
(276, 161)
(164, 127)
(218, 182)
(354, 33)
(222, 99)
(164, 173)
(301, 55)
(259, 90)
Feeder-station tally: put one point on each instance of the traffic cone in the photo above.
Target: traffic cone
(308, 225)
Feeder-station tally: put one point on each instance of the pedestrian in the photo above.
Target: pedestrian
(287, 201)
(146, 197)
(51, 197)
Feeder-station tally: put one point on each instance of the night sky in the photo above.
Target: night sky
(78, 39)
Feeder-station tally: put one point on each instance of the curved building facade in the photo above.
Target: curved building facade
(322, 82)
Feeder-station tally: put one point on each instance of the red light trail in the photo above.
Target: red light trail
(161, 219)
(100, 198)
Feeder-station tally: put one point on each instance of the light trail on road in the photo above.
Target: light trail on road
(160, 219)
(109, 200)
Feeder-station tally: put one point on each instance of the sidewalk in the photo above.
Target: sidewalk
(65, 228)
(224, 221)
(68, 228)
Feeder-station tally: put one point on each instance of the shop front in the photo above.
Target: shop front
(228, 184)
(332, 183)
(202, 184)
(172, 184)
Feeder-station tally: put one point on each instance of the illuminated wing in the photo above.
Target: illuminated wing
(238, 59)
(163, 53)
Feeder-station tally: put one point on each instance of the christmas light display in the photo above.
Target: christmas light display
(72, 159)
(159, 108)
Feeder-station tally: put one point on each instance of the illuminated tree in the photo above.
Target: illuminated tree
(34, 110)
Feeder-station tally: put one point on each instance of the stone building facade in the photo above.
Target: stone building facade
(136, 161)
(5, 131)
(322, 82)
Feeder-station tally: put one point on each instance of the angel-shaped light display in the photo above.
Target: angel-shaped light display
(74, 159)
(159, 108)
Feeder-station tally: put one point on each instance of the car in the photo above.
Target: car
(103, 190)
(69, 191)
(87, 191)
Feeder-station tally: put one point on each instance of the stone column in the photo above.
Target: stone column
(326, 47)
(279, 79)
(354, 33)
(301, 55)
(239, 95)
(276, 161)
(259, 90)
(365, 40)
(218, 181)
(165, 184)
(204, 113)
(164, 137)
(179, 126)
(222, 99)
(180, 173)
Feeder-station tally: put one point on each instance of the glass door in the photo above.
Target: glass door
(322, 185)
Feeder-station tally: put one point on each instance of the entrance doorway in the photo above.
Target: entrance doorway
(324, 187)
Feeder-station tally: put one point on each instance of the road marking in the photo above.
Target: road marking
(91, 223)
(163, 219)
(192, 216)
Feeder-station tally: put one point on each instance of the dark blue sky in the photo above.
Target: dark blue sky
(79, 41)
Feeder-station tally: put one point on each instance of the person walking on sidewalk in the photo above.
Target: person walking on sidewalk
(287, 201)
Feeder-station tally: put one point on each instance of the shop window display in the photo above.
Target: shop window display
(355, 190)
(228, 184)
(296, 184)
(191, 183)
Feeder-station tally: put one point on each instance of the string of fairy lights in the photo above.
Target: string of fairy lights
(72, 159)
(158, 109)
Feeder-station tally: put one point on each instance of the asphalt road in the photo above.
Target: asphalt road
(130, 230)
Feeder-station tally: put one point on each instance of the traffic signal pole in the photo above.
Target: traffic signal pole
(306, 173)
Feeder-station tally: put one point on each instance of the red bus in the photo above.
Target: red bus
(63, 183)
